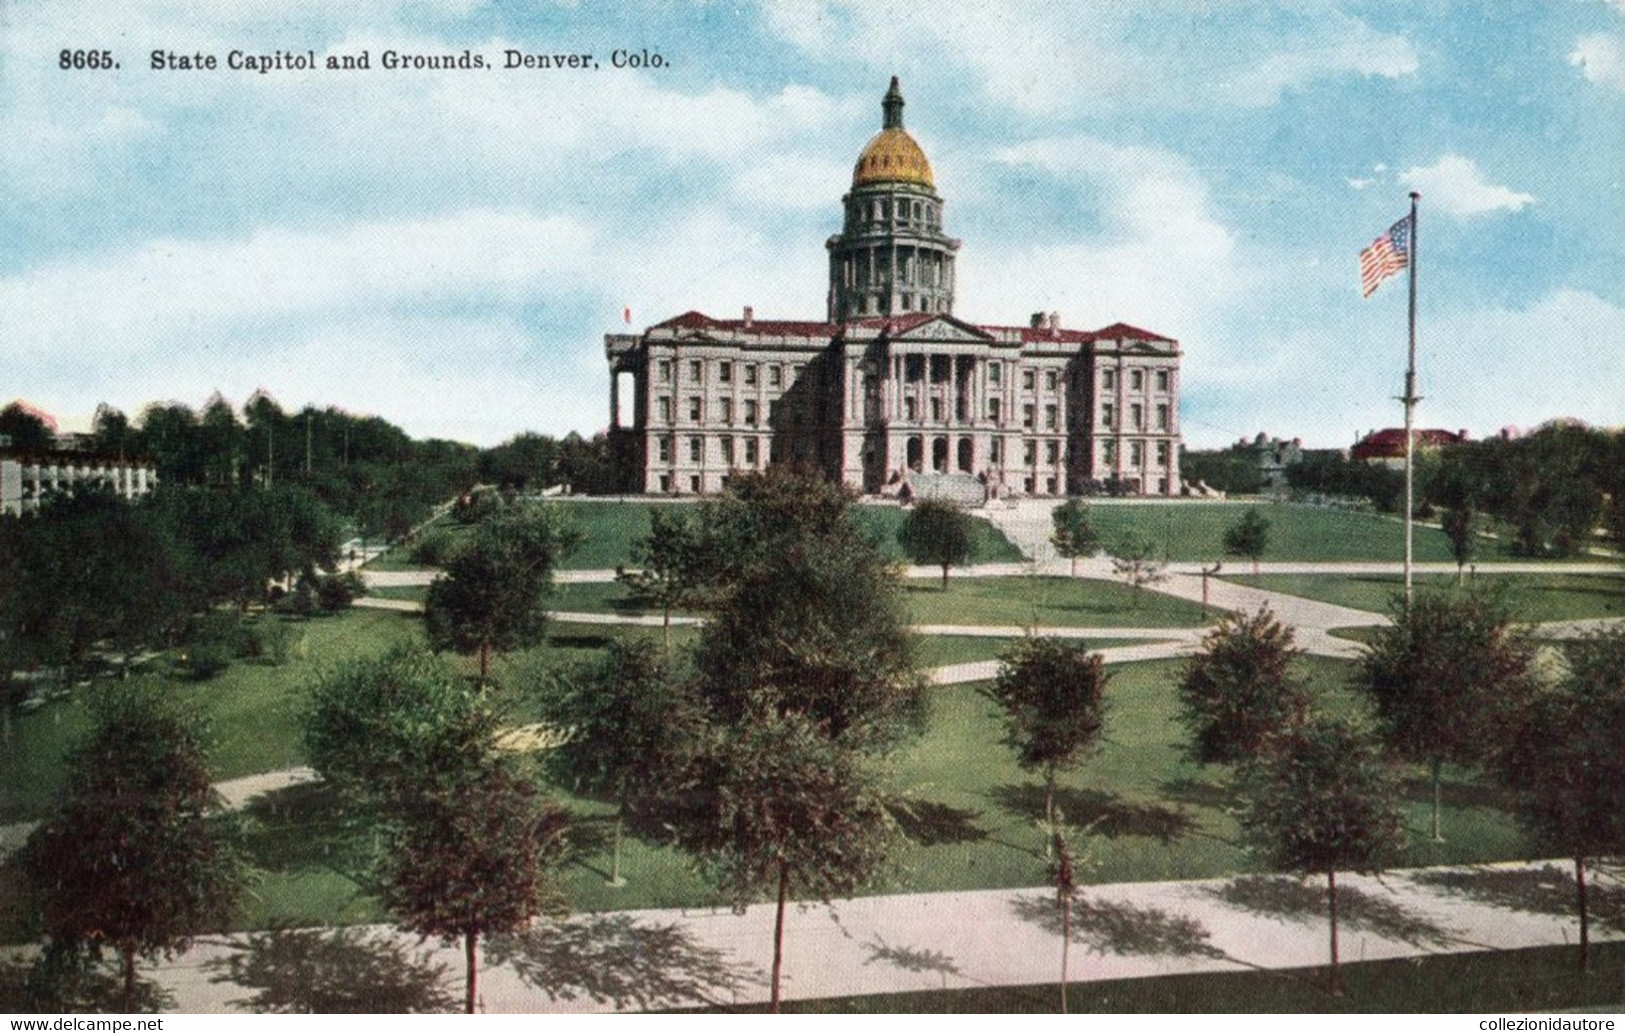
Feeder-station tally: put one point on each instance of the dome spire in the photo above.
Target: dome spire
(893, 107)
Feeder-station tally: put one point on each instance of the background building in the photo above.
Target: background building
(890, 383)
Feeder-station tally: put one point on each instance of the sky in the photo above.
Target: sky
(446, 248)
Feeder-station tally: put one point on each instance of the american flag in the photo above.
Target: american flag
(1387, 255)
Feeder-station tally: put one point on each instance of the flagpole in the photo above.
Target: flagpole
(1410, 400)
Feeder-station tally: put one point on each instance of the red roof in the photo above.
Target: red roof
(1389, 443)
(692, 320)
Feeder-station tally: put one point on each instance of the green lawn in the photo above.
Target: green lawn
(1049, 601)
(1536, 980)
(1194, 531)
(988, 544)
(613, 528)
(252, 710)
(1528, 597)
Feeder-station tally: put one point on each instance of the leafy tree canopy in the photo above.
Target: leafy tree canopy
(1237, 692)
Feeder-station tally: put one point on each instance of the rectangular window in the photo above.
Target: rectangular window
(775, 376)
(1136, 454)
(1162, 417)
(911, 409)
(725, 372)
(1026, 416)
(727, 410)
(750, 374)
(665, 450)
(1137, 416)
(1162, 380)
(694, 484)
(995, 373)
(750, 412)
(1051, 416)
(727, 450)
(1031, 452)
(998, 451)
(936, 410)
(665, 483)
(1108, 453)
(750, 452)
(1049, 381)
(663, 370)
(1052, 452)
(1108, 414)
(696, 408)
(694, 370)
(665, 409)
(993, 409)
(1163, 453)
(1108, 379)
(1136, 380)
(1027, 380)
(696, 450)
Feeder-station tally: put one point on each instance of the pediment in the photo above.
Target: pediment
(943, 328)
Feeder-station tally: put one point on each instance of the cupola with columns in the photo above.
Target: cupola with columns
(891, 256)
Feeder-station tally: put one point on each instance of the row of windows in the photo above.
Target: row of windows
(750, 449)
(1136, 380)
(724, 370)
(903, 209)
(1136, 418)
(1136, 454)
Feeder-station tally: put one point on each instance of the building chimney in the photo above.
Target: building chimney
(750, 315)
(1038, 320)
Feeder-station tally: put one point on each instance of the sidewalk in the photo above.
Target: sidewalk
(640, 960)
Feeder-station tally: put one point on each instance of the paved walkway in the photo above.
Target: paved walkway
(638, 960)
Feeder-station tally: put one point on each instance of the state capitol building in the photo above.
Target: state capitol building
(891, 384)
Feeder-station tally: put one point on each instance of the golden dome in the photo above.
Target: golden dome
(892, 157)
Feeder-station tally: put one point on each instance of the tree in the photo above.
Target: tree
(1237, 692)
(1442, 675)
(807, 617)
(1053, 696)
(1565, 762)
(1248, 537)
(25, 429)
(131, 859)
(674, 565)
(1074, 534)
(382, 727)
(629, 721)
(1320, 801)
(1134, 560)
(805, 679)
(470, 856)
(495, 589)
(936, 533)
(778, 807)
(1461, 527)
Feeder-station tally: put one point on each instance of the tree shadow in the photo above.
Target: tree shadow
(929, 823)
(576, 641)
(1106, 814)
(616, 960)
(309, 826)
(1289, 899)
(1453, 794)
(1114, 927)
(1547, 890)
(65, 983)
(911, 959)
(333, 971)
(1199, 794)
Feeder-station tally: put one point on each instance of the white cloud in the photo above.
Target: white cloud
(1601, 58)
(1037, 56)
(1457, 186)
(1161, 258)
